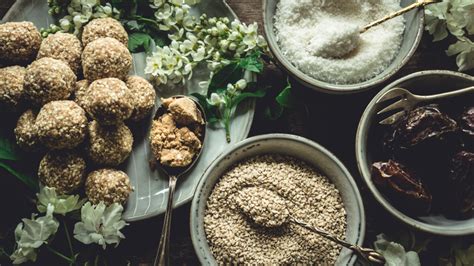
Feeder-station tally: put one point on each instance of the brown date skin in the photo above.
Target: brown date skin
(461, 185)
(467, 121)
(405, 190)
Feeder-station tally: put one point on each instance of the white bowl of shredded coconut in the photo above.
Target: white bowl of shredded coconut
(314, 185)
(296, 30)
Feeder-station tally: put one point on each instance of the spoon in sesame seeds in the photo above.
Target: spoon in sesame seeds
(348, 37)
(177, 138)
(266, 208)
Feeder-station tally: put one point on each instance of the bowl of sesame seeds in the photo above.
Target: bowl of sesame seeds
(297, 32)
(312, 184)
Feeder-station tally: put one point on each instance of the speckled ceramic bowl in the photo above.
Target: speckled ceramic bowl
(411, 38)
(423, 83)
(294, 146)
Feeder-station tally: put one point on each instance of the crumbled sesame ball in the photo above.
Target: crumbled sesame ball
(106, 58)
(19, 42)
(109, 145)
(80, 91)
(61, 125)
(108, 101)
(62, 46)
(48, 79)
(109, 186)
(104, 27)
(63, 170)
(11, 87)
(26, 133)
(144, 97)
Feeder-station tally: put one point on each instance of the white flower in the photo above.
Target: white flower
(231, 89)
(216, 100)
(100, 224)
(65, 24)
(241, 84)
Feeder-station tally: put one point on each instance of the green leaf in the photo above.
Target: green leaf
(62, 204)
(31, 182)
(100, 224)
(252, 62)
(464, 49)
(8, 150)
(395, 254)
(273, 113)
(228, 74)
(285, 98)
(138, 42)
(464, 256)
(246, 95)
(31, 234)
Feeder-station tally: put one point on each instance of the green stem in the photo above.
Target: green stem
(59, 254)
(68, 237)
(227, 124)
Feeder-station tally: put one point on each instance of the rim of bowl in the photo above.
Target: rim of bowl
(364, 171)
(194, 205)
(325, 87)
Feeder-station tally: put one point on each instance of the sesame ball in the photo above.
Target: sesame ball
(144, 97)
(109, 145)
(26, 133)
(108, 101)
(61, 125)
(11, 87)
(62, 46)
(80, 91)
(104, 27)
(48, 79)
(19, 42)
(63, 170)
(109, 186)
(106, 58)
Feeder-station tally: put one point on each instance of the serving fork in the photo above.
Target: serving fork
(407, 101)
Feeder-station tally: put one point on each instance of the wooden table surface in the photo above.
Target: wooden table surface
(329, 120)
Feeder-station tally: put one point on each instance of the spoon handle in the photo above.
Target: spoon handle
(396, 14)
(162, 254)
(367, 253)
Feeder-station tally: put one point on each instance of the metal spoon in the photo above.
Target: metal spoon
(345, 41)
(162, 254)
(268, 209)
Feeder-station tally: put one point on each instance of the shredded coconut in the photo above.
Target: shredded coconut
(301, 24)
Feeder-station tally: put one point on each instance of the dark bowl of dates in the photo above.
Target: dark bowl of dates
(421, 168)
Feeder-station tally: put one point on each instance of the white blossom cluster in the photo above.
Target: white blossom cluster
(79, 13)
(214, 40)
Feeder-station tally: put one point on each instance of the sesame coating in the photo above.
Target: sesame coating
(109, 145)
(108, 101)
(108, 185)
(62, 46)
(63, 170)
(104, 27)
(106, 58)
(19, 42)
(61, 125)
(48, 79)
(144, 97)
(26, 133)
(80, 91)
(11, 87)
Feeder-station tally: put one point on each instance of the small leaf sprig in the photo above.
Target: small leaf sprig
(453, 17)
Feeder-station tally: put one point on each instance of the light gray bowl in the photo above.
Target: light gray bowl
(424, 82)
(411, 38)
(294, 146)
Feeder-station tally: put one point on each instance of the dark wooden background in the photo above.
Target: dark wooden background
(326, 119)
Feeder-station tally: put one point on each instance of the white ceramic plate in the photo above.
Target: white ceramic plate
(151, 187)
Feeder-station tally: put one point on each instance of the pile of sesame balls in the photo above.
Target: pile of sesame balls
(80, 125)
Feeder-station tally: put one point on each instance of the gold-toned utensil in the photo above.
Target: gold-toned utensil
(275, 214)
(407, 101)
(162, 254)
(348, 39)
